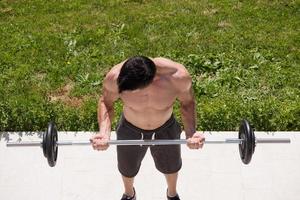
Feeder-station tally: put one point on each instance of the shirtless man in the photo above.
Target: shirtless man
(148, 89)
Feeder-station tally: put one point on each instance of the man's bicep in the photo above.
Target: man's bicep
(185, 88)
(110, 91)
(187, 96)
(109, 96)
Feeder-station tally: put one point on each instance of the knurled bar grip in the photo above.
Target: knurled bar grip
(151, 142)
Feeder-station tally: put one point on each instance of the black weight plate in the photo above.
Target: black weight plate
(44, 143)
(55, 138)
(51, 147)
(49, 144)
(242, 146)
(253, 139)
(246, 148)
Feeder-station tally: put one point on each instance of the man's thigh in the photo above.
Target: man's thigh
(167, 158)
(129, 157)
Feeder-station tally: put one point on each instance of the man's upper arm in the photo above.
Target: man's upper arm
(110, 89)
(185, 89)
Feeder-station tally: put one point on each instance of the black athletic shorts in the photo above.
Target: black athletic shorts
(167, 158)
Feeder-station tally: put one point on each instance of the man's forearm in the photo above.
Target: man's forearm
(105, 116)
(188, 116)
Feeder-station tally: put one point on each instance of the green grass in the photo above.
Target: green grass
(243, 56)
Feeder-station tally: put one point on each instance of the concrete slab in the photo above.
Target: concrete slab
(213, 173)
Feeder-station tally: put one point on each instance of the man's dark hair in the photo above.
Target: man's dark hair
(136, 73)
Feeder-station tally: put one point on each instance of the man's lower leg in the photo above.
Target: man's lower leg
(128, 186)
(172, 183)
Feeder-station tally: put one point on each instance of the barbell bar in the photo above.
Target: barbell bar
(125, 142)
(145, 142)
(246, 141)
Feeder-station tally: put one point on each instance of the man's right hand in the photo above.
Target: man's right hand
(100, 142)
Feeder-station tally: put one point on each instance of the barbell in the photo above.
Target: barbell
(246, 141)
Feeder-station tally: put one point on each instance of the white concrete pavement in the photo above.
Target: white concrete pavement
(212, 173)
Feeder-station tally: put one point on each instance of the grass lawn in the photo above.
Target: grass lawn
(243, 56)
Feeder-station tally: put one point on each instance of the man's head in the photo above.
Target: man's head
(136, 73)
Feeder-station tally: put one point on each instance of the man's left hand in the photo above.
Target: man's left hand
(196, 141)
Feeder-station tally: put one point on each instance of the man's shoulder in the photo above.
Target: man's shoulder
(180, 76)
(113, 73)
(182, 79)
(110, 80)
(180, 69)
(161, 61)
